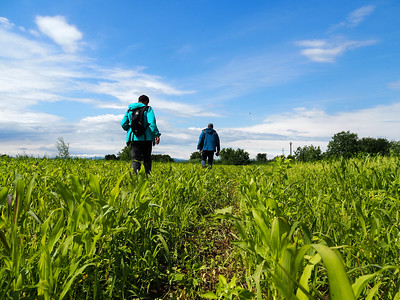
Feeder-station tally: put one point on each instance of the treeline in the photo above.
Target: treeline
(347, 144)
(343, 144)
(125, 154)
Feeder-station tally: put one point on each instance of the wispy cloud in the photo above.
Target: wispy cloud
(326, 51)
(329, 49)
(312, 127)
(237, 76)
(62, 33)
(358, 15)
(123, 84)
(6, 23)
(34, 72)
(315, 123)
(354, 18)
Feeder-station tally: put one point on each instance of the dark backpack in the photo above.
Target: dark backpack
(139, 122)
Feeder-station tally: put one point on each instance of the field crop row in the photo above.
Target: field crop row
(91, 229)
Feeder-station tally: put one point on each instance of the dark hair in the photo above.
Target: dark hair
(144, 99)
(210, 125)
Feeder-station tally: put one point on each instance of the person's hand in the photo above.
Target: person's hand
(200, 151)
(217, 154)
(157, 140)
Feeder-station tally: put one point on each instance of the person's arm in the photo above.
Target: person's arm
(200, 144)
(151, 120)
(125, 122)
(217, 143)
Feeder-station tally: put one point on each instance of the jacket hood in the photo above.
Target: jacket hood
(209, 130)
(135, 105)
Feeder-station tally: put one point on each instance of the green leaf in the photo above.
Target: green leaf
(223, 211)
(115, 191)
(373, 291)
(209, 295)
(339, 284)
(257, 275)
(245, 294)
(33, 215)
(3, 195)
(306, 276)
(360, 283)
(95, 186)
(68, 284)
(67, 196)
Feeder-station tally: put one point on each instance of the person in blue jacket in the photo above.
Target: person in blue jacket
(141, 146)
(208, 144)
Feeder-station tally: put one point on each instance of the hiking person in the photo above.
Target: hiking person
(142, 132)
(208, 144)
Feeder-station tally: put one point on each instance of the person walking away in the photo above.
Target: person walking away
(208, 144)
(143, 135)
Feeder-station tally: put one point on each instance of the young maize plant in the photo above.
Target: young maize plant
(74, 229)
(295, 221)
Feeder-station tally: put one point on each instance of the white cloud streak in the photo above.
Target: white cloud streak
(358, 15)
(354, 18)
(35, 72)
(326, 51)
(62, 33)
(6, 23)
(303, 127)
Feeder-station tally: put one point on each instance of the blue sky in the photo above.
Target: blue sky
(266, 73)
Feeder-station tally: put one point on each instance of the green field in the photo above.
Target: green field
(89, 229)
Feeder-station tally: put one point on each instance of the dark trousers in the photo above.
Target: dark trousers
(141, 151)
(207, 155)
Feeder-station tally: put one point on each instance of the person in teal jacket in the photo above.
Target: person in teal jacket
(208, 143)
(141, 146)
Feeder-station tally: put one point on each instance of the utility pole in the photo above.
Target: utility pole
(290, 148)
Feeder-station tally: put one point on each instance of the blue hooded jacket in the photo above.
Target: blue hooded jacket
(151, 131)
(208, 140)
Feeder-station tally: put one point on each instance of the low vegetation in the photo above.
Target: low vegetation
(90, 229)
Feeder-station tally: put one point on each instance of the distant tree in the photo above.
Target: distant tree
(343, 144)
(62, 148)
(373, 146)
(308, 153)
(261, 157)
(195, 156)
(125, 154)
(230, 156)
(395, 148)
(110, 157)
(162, 158)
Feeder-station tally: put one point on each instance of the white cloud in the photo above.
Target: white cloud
(6, 23)
(358, 15)
(311, 127)
(354, 18)
(326, 51)
(302, 123)
(125, 85)
(34, 72)
(62, 33)
(246, 73)
(312, 43)
(14, 46)
(182, 109)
